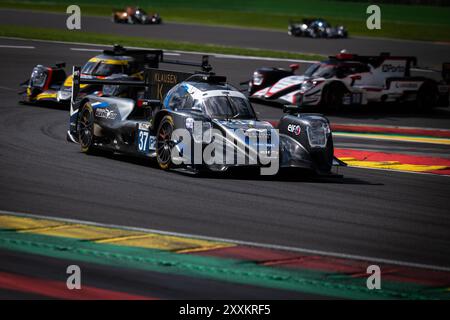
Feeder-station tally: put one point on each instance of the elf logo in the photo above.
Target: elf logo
(392, 68)
(294, 128)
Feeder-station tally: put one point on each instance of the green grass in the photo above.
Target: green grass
(398, 21)
(87, 37)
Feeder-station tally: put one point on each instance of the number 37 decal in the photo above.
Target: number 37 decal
(145, 142)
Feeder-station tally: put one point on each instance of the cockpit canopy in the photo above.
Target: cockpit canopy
(105, 66)
(226, 103)
(328, 69)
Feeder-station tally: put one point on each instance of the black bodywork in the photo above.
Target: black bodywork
(144, 125)
(316, 28)
(135, 15)
(51, 85)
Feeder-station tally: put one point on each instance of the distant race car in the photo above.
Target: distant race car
(135, 15)
(350, 79)
(316, 28)
(147, 124)
(52, 85)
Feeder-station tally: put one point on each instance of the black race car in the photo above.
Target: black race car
(316, 28)
(196, 122)
(52, 86)
(135, 15)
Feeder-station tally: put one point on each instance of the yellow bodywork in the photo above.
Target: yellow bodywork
(109, 61)
(68, 82)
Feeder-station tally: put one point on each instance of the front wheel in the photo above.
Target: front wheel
(427, 96)
(164, 143)
(332, 97)
(86, 129)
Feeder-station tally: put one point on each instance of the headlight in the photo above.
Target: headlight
(304, 27)
(38, 76)
(317, 132)
(306, 86)
(257, 78)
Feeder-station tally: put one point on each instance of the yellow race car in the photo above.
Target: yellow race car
(51, 85)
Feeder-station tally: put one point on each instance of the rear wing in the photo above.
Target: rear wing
(156, 84)
(376, 61)
(152, 58)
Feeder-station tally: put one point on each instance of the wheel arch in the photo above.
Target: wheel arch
(158, 117)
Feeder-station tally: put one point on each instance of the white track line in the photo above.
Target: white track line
(231, 56)
(239, 242)
(216, 55)
(16, 47)
(8, 89)
(86, 49)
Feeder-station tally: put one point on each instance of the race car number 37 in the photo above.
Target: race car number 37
(145, 142)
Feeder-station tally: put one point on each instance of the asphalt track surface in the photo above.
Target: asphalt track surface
(380, 214)
(429, 54)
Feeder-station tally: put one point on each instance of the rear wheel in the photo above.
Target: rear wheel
(427, 96)
(86, 129)
(164, 143)
(332, 96)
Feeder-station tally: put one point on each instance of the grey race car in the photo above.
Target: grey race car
(215, 120)
(316, 28)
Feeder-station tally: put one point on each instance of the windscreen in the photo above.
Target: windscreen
(321, 70)
(226, 107)
(102, 69)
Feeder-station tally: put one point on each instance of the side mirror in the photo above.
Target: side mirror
(294, 67)
(354, 78)
(291, 109)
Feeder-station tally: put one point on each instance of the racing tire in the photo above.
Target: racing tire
(332, 96)
(427, 96)
(86, 129)
(163, 143)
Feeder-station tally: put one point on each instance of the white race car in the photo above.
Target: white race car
(349, 79)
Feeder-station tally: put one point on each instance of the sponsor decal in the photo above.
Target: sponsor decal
(294, 128)
(407, 85)
(144, 126)
(105, 113)
(391, 68)
(163, 80)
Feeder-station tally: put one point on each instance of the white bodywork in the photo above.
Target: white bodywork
(361, 87)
